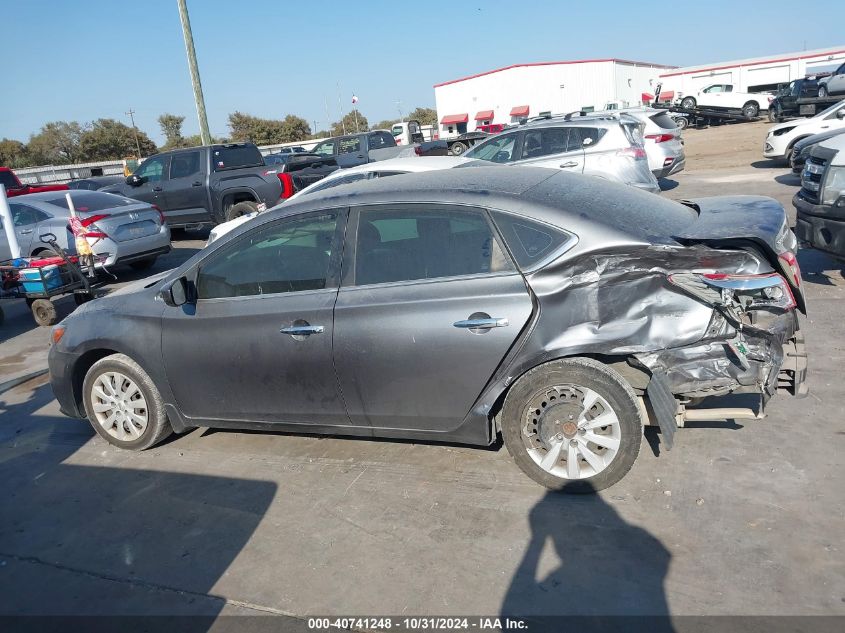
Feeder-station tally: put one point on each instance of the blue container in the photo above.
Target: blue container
(31, 278)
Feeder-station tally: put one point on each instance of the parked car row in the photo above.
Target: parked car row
(781, 138)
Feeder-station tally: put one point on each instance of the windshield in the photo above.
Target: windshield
(499, 149)
(326, 148)
(397, 130)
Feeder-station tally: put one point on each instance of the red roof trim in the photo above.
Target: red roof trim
(767, 61)
(454, 118)
(484, 115)
(520, 110)
(576, 61)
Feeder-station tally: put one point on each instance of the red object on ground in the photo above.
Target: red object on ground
(15, 187)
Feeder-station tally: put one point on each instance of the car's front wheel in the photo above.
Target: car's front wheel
(823, 91)
(457, 149)
(572, 425)
(750, 110)
(123, 405)
(239, 209)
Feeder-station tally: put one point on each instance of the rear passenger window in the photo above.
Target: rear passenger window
(407, 245)
(349, 145)
(530, 242)
(544, 142)
(585, 137)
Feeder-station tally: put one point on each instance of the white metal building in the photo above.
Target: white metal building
(759, 74)
(507, 94)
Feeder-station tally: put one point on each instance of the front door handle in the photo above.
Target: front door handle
(482, 324)
(571, 163)
(196, 184)
(157, 189)
(302, 330)
(26, 231)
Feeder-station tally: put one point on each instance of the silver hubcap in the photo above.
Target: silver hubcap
(571, 431)
(119, 406)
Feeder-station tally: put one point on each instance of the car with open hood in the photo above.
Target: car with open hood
(559, 311)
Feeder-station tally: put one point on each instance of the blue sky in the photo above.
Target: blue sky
(86, 59)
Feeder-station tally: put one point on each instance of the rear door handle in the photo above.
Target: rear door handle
(482, 323)
(302, 330)
(569, 164)
(197, 184)
(26, 231)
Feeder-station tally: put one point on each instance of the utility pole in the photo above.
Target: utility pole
(195, 73)
(131, 114)
(340, 109)
(399, 107)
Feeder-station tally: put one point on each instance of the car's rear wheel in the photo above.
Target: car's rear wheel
(44, 312)
(123, 405)
(572, 425)
(239, 209)
(750, 110)
(457, 149)
(688, 103)
(682, 122)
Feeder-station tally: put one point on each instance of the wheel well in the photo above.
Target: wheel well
(792, 144)
(80, 369)
(232, 199)
(637, 376)
(753, 102)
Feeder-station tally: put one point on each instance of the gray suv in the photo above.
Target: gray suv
(609, 147)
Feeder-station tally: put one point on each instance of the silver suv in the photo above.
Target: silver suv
(609, 147)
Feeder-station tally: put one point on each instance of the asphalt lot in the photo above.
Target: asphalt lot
(739, 518)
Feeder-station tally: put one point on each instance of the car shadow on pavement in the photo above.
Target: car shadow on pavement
(774, 163)
(98, 540)
(606, 567)
(790, 179)
(818, 268)
(667, 184)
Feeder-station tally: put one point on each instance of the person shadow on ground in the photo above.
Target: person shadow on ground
(585, 563)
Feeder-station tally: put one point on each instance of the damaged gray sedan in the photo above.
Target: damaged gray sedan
(560, 311)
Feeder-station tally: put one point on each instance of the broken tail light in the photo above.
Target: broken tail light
(637, 153)
(789, 263)
(769, 290)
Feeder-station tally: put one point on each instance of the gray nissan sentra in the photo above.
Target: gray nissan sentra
(560, 310)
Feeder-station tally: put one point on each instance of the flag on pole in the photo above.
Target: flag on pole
(354, 99)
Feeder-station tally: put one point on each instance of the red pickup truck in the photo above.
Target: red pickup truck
(15, 187)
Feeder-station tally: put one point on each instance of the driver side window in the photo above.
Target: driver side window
(152, 169)
(289, 255)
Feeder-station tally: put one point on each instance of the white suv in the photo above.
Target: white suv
(783, 136)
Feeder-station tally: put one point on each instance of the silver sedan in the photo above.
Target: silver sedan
(120, 230)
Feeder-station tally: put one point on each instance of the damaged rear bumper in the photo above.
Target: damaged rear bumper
(753, 361)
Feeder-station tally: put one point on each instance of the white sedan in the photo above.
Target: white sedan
(783, 136)
(378, 169)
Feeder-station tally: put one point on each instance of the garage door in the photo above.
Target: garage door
(762, 76)
(706, 79)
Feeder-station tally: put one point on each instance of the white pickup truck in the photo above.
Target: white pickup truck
(723, 97)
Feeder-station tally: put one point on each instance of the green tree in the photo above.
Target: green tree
(385, 125)
(58, 142)
(171, 127)
(13, 153)
(295, 128)
(246, 127)
(426, 116)
(352, 122)
(109, 139)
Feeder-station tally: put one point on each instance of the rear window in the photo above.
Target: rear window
(88, 201)
(349, 145)
(235, 156)
(663, 120)
(639, 214)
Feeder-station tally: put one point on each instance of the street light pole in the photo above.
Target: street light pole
(195, 73)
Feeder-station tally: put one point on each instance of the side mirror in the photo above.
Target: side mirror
(175, 293)
(841, 114)
(134, 181)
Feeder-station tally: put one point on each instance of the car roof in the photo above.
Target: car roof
(407, 163)
(581, 204)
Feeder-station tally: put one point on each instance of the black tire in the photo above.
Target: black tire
(688, 103)
(143, 264)
(44, 312)
(158, 426)
(773, 115)
(44, 253)
(242, 208)
(750, 110)
(584, 373)
(457, 149)
(823, 91)
(682, 122)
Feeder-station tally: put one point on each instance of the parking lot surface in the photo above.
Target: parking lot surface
(739, 518)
